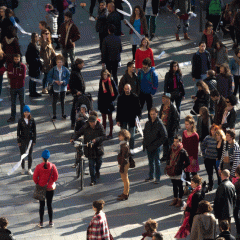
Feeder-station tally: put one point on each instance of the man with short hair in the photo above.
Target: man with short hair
(225, 228)
(128, 108)
(157, 236)
(16, 74)
(225, 198)
(154, 135)
(114, 18)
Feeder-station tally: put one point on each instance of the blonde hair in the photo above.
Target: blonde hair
(221, 133)
(191, 121)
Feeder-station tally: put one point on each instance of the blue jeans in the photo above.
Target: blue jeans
(151, 22)
(32, 87)
(125, 125)
(153, 159)
(13, 93)
(178, 101)
(71, 53)
(94, 167)
(1, 81)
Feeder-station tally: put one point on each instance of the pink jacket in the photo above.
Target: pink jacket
(41, 175)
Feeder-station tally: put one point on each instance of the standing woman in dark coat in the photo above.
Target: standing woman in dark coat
(173, 84)
(34, 64)
(107, 93)
(26, 131)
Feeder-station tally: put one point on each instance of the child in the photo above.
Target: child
(151, 228)
(51, 17)
(123, 162)
(94, 113)
(81, 117)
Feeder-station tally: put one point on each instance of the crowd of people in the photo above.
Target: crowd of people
(216, 82)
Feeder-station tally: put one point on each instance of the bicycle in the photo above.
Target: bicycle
(79, 160)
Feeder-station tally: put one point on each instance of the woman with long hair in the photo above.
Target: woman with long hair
(48, 55)
(142, 53)
(202, 98)
(46, 173)
(225, 83)
(235, 70)
(26, 132)
(34, 63)
(190, 141)
(139, 22)
(221, 55)
(98, 227)
(107, 93)
(173, 84)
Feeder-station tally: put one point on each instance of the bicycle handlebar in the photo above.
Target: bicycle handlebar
(80, 144)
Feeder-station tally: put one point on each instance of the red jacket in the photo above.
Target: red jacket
(41, 175)
(17, 75)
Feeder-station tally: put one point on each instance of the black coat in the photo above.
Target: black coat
(105, 100)
(33, 61)
(4, 25)
(111, 49)
(101, 24)
(128, 108)
(172, 121)
(203, 100)
(226, 235)
(89, 134)
(155, 4)
(5, 234)
(182, 163)
(168, 84)
(76, 82)
(225, 198)
(26, 131)
(231, 120)
(154, 135)
(114, 18)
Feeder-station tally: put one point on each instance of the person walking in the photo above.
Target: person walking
(173, 84)
(107, 93)
(178, 160)
(123, 162)
(148, 80)
(34, 64)
(93, 132)
(114, 18)
(150, 8)
(214, 12)
(111, 52)
(225, 198)
(128, 108)
(77, 86)
(26, 132)
(69, 34)
(5, 234)
(221, 53)
(59, 76)
(98, 227)
(16, 74)
(170, 118)
(46, 173)
(154, 135)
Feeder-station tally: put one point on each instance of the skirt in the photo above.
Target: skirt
(135, 40)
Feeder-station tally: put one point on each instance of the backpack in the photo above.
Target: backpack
(215, 7)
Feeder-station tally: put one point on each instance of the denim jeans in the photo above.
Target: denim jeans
(94, 167)
(151, 22)
(32, 87)
(154, 163)
(178, 101)
(71, 53)
(13, 93)
(1, 81)
(125, 125)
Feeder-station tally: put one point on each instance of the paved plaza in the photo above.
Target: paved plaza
(73, 207)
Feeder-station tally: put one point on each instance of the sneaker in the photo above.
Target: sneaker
(51, 224)
(40, 225)
(122, 34)
(11, 119)
(148, 179)
(74, 165)
(91, 18)
(92, 183)
(30, 172)
(44, 91)
(54, 118)
(64, 117)
(119, 64)
(23, 171)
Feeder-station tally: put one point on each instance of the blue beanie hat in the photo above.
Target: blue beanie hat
(26, 108)
(46, 154)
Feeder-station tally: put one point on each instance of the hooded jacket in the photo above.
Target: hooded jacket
(16, 75)
(204, 227)
(76, 82)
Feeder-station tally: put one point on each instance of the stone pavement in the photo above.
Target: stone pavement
(72, 207)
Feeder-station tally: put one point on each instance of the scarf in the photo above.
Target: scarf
(122, 142)
(209, 38)
(175, 154)
(184, 230)
(108, 80)
(9, 41)
(236, 59)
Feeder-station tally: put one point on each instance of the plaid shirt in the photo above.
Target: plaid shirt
(98, 228)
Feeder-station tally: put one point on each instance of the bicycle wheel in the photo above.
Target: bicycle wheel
(82, 173)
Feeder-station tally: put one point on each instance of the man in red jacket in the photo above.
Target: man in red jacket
(69, 34)
(16, 74)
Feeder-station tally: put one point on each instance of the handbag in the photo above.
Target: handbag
(131, 162)
(40, 192)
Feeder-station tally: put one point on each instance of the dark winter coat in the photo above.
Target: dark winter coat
(226, 235)
(5, 234)
(225, 85)
(225, 198)
(231, 120)
(211, 82)
(154, 135)
(33, 61)
(172, 120)
(89, 134)
(101, 24)
(4, 25)
(114, 18)
(128, 108)
(168, 84)
(26, 131)
(219, 110)
(182, 163)
(237, 187)
(203, 100)
(132, 81)
(155, 4)
(105, 100)
(76, 82)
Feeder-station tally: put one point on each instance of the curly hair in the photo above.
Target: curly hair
(151, 225)
(125, 133)
(3, 222)
(191, 121)
(227, 71)
(197, 179)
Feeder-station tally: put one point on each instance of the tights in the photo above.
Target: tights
(104, 119)
(49, 198)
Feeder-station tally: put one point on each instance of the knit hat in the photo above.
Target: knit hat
(92, 118)
(167, 95)
(46, 154)
(26, 108)
(84, 106)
